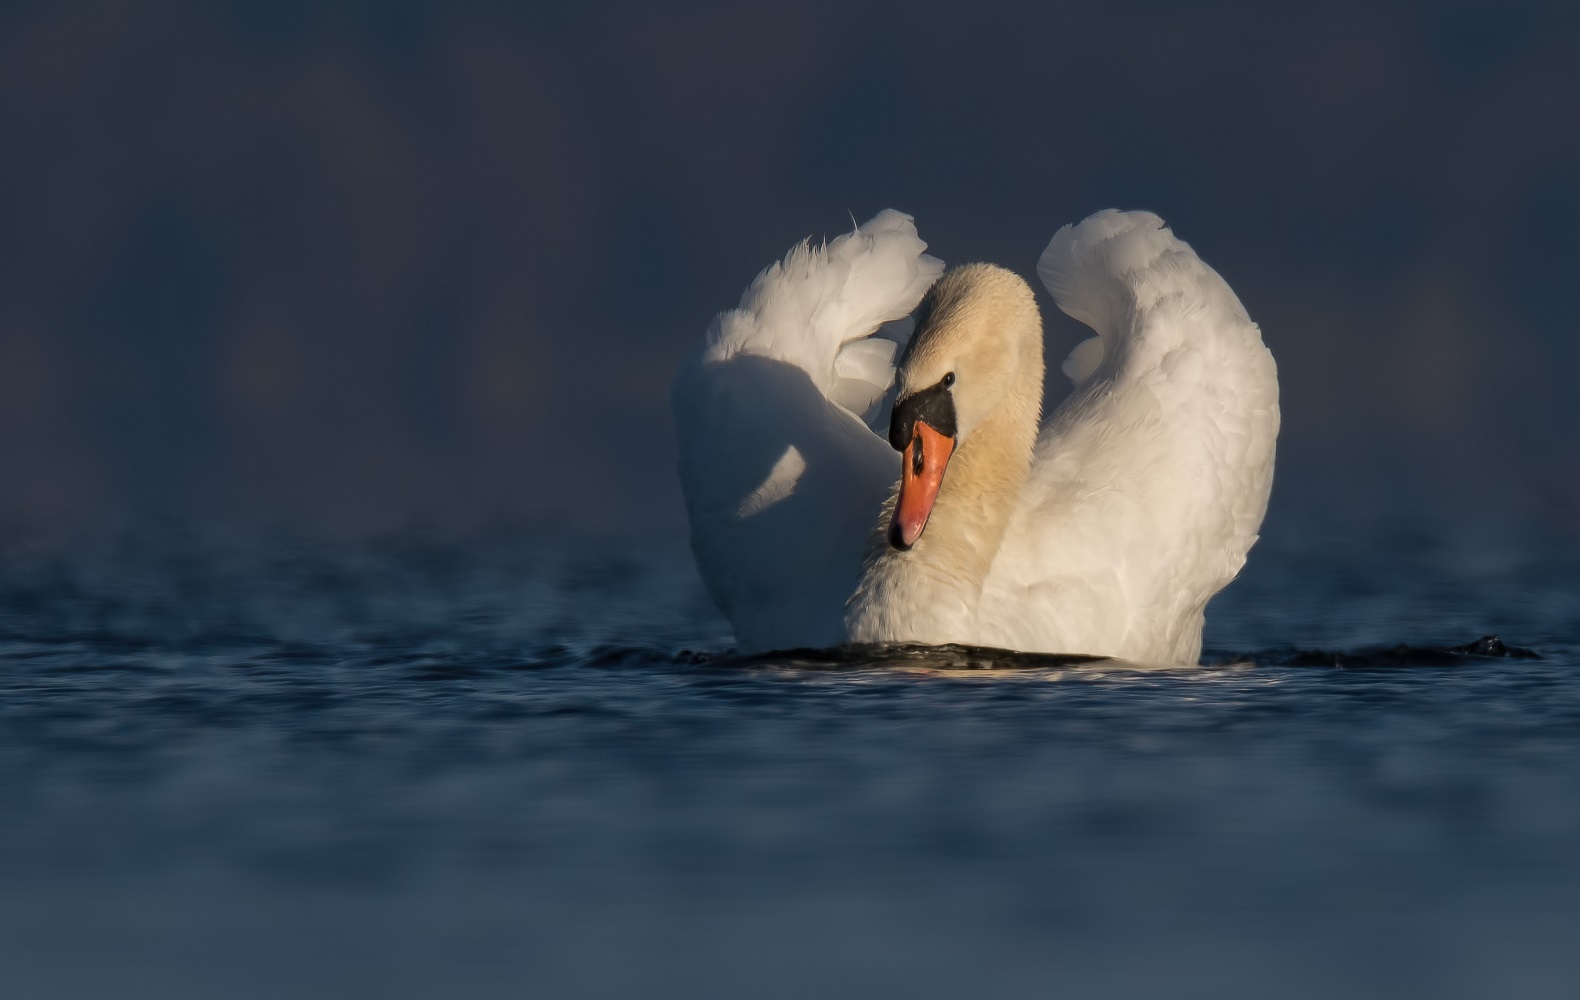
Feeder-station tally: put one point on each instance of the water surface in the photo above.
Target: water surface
(511, 768)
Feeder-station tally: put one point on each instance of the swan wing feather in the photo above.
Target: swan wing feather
(783, 480)
(1149, 482)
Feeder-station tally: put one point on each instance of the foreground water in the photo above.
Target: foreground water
(514, 769)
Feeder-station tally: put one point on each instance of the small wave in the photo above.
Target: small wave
(953, 657)
(1488, 647)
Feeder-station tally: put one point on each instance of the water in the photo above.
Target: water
(504, 768)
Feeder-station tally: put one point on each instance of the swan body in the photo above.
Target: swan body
(1104, 530)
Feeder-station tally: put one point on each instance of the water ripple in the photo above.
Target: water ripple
(556, 749)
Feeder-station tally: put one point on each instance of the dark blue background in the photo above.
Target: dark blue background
(355, 265)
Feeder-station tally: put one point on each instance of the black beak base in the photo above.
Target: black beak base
(933, 405)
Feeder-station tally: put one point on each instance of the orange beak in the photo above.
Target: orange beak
(921, 473)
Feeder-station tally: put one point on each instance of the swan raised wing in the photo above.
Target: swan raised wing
(1149, 482)
(783, 478)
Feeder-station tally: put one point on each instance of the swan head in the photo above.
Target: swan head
(972, 334)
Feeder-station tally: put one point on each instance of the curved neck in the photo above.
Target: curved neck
(930, 593)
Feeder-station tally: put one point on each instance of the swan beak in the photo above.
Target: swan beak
(921, 473)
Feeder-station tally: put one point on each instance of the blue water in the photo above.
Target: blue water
(511, 768)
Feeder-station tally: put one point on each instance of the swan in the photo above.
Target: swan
(862, 456)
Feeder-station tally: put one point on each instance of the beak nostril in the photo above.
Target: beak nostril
(921, 474)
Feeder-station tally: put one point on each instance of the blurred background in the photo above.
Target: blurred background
(397, 289)
(350, 266)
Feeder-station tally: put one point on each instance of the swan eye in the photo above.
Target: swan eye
(949, 379)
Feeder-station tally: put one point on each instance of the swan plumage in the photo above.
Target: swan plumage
(1103, 530)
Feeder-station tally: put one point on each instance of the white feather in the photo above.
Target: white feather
(1147, 488)
(782, 479)
(1150, 481)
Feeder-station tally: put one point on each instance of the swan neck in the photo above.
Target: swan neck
(931, 593)
(985, 479)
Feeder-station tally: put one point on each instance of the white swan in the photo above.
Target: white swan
(1105, 531)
